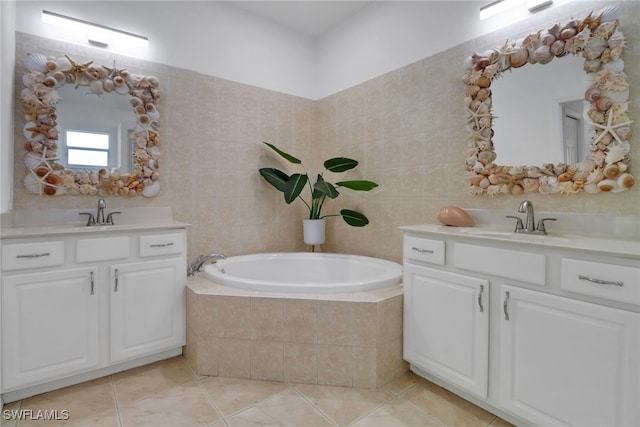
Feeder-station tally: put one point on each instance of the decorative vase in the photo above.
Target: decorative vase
(313, 230)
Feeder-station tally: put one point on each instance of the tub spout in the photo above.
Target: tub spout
(195, 266)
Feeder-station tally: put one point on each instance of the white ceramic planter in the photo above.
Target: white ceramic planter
(313, 230)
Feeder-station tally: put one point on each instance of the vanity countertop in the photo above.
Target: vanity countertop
(601, 245)
(56, 222)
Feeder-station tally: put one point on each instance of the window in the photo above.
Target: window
(87, 149)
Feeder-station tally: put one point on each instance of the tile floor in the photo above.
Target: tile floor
(169, 393)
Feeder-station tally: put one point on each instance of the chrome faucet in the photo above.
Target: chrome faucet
(529, 226)
(99, 218)
(530, 222)
(102, 205)
(195, 266)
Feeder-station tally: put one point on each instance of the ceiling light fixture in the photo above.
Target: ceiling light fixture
(495, 7)
(99, 35)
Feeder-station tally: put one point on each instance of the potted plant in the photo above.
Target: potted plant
(292, 186)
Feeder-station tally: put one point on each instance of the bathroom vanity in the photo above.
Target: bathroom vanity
(82, 302)
(541, 330)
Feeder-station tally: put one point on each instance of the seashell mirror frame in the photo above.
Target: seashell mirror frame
(45, 175)
(598, 39)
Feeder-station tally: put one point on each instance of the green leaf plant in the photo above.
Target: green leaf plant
(292, 186)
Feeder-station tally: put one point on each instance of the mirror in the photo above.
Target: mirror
(90, 129)
(601, 164)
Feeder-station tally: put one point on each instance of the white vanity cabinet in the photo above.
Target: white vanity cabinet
(83, 305)
(447, 326)
(51, 325)
(539, 335)
(566, 362)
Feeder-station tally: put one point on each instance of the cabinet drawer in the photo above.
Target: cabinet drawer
(161, 244)
(598, 279)
(427, 250)
(513, 264)
(32, 255)
(102, 249)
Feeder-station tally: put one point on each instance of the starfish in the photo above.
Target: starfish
(47, 130)
(78, 71)
(42, 161)
(474, 116)
(609, 128)
(113, 71)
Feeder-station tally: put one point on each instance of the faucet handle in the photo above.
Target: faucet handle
(91, 220)
(519, 225)
(110, 217)
(541, 228)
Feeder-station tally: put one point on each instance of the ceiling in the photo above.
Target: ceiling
(312, 18)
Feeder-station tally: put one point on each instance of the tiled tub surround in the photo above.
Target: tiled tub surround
(351, 340)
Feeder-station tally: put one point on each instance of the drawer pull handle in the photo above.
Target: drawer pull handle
(162, 245)
(92, 283)
(504, 307)
(115, 289)
(427, 251)
(601, 282)
(480, 298)
(34, 255)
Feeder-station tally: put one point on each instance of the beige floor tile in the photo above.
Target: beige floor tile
(107, 418)
(342, 404)
(446, 406)
(183, 405)
(79, 401)
(403, 382)
(398, 413)
(499, 422)
(138, 383)
(10, 421)
(231, 395)
(285, 409)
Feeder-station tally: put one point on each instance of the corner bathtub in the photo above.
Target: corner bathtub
(310, 273)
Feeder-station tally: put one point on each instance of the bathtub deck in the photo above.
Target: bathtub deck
(352, 340)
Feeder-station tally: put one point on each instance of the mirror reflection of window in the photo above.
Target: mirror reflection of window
(87, 149)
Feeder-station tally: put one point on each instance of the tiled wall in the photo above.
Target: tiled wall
(353, 341)
(406, 128)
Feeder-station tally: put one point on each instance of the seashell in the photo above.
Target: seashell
(50, 81)
(593, 51)
(579, 41)
(143, 118)
(486, 157)
(140, 109)
(605, 30)
(591, 188)
(455, 216)
(609, 13)
(598, 157)
(135, 101)
(578, 184)
(96, 87)
(557, 47)
(625, 181)
(530, 184)
(59, 76)
(566, 188)
(615, 65)
(592, 94)
(484, 82)
(108, 85)
(616, 40)
(607, 185)
(547, 39)
(611, 171)
(595, 176)
(596, 116)
(617, 97)
(517, 190)
(568, 175)
(472, 90)
(484, 183)
(35, 62)
(154, 81)
(617, 152)
(119, 81)
(482, 94)
(624, 133)
(519, 57)
(567, 33)
(542, 54)
(603, 103)
(587, 165)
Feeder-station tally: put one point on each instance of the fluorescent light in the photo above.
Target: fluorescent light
(495, 7)
(100, 35)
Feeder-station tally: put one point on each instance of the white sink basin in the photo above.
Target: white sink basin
(511, 235)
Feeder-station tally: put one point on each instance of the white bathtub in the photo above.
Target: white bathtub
(311, 273)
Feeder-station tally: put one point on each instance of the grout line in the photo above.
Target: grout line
(301, 394)
(115, 400)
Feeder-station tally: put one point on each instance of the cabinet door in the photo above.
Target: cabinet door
(49, 326)
(446, 326)
(567, 362)
(147, 307)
